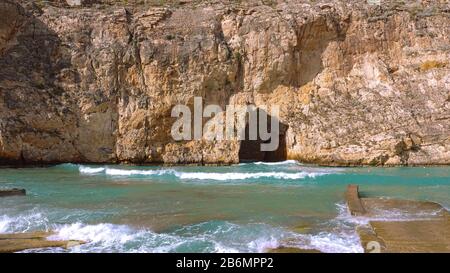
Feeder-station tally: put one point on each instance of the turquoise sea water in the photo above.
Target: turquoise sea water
(241, 208)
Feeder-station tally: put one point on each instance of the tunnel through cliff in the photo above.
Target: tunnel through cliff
(250, 150)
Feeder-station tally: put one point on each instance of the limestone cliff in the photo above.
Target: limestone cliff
(95, 81)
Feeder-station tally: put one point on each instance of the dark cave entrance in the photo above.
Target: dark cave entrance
(250, 150)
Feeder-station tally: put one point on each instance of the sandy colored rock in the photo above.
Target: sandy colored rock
(26, 235)
(358, 84)
(15, 245)
(16, 242)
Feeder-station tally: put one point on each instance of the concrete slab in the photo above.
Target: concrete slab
(353, 201)
(423, 226)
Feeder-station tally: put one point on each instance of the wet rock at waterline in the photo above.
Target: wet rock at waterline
(12, 192)
(15, 242)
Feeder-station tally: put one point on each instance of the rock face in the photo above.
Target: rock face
(96, 82)
(15, 242)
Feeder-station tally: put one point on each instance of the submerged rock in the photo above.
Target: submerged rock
(12, 192)
(303, 229)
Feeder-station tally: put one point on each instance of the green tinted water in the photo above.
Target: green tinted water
(246, 207)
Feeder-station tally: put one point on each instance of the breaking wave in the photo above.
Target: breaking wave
(210, 236)
(242, 176)
(219, 176)
(109, 171)
(216, 236)
(286, 162)
(84, 169)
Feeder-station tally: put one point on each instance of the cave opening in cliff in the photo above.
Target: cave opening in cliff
(250, 150)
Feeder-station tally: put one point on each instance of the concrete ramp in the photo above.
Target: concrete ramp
(353, 201)
(400, 225)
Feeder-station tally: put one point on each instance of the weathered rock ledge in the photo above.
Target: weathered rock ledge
(358, 84)
(15, 242)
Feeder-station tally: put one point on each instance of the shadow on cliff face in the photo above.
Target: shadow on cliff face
(36, 55)
(250, 150)
(32, 60)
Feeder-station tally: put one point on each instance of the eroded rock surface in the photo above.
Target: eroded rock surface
(15, 242)
(95, 81)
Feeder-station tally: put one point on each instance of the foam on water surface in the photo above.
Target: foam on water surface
(242, 208)
(211, 236)
(288, 174)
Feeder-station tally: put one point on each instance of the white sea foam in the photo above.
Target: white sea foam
(84, 169)
(121, 238)
(243, 176)
(93, 233)
(4, 223)
(223, 237)
(338, 242)
(23, 222)
(286, 162)
(102, 237)
(216, 236)
(219, 176)
(339, 235)
(264, 243)
(122, 172)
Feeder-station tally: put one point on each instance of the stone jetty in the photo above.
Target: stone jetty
(422, 226)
